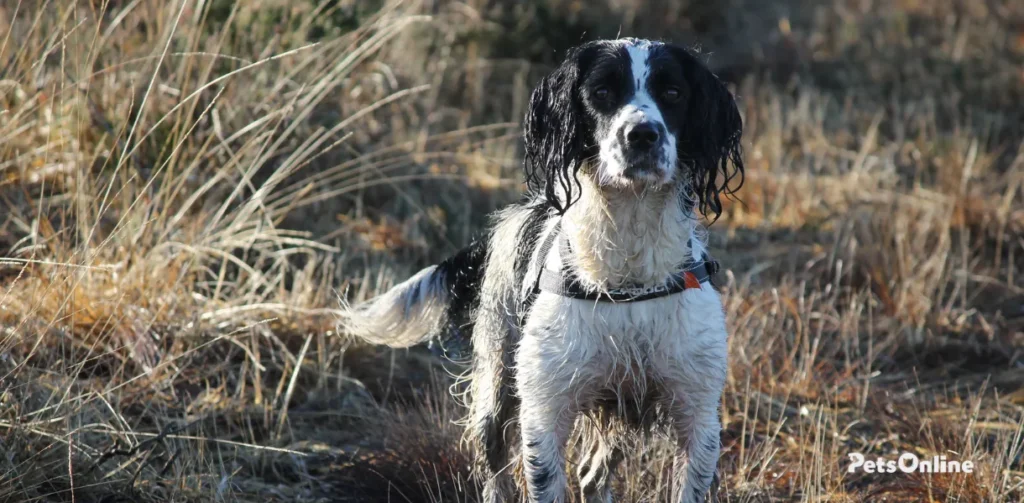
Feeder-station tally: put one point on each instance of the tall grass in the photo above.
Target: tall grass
(186, 188)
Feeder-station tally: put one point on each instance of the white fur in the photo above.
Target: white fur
(572, 350)
(633, 235)
(406, 315)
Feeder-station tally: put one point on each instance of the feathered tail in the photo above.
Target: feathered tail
(428, 304)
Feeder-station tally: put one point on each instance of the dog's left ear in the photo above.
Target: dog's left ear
(710, 137)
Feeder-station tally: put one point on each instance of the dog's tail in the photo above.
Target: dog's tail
(435, 300)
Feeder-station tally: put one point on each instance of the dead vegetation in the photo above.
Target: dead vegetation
(186, 187)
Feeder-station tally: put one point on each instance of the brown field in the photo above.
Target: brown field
(188, 187)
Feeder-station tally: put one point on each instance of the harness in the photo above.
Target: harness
(564, 283)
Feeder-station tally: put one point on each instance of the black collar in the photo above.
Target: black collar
(565, 283)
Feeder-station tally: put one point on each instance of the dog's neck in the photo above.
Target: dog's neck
(623, 236)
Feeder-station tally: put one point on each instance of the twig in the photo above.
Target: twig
(291, 386)
(149, 443)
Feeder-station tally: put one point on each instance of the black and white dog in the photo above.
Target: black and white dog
(589, 303)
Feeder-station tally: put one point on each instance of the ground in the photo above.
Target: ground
(187, 189)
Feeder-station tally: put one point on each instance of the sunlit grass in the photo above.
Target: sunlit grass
(187, 187)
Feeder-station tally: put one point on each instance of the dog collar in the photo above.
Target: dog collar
(562, 282)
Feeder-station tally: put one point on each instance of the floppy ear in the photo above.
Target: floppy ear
(710, 138)
(554, 135)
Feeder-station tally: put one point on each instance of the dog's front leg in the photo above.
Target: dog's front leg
(546, 424)
(696, 375)
(697, 430)
(546, 416)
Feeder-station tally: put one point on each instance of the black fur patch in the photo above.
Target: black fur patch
(541, 476)
(711, 444)
(463, 274)
(710, 133)
(706, 479)
(698, 494)
(495, 447)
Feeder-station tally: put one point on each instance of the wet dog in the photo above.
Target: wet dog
(589, 304)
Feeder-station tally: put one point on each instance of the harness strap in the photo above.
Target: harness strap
(565, 284)
(545, 249)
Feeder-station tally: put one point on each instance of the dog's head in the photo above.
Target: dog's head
(633, 113)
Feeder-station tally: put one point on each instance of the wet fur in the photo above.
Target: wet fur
(544, 366)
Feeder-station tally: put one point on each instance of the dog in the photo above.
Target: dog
(589, 304)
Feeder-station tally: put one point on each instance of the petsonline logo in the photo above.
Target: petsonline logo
(908, 462)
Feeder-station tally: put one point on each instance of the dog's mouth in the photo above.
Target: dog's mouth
(642, 167)
(646, 168)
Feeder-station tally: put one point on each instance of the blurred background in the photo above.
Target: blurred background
(188, 187)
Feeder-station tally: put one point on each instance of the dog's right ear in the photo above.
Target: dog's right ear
(554, 133)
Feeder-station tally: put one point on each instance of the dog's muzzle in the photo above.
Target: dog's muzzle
(642, 149)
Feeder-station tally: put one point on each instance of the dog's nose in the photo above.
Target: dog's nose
(643, 136)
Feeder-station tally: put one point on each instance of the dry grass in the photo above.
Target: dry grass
(185, 187)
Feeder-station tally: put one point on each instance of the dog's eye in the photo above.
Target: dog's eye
(670, 95)
(602, 93)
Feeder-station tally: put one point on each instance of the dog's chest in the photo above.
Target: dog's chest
(609, 345)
